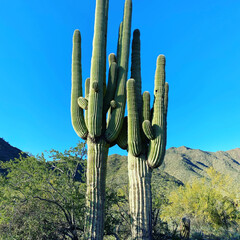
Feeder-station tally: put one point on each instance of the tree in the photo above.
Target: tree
(208, 202)
(117, 222)
(42, 199)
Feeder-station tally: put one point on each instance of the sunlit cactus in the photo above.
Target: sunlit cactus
(145, 138)
(101, 99)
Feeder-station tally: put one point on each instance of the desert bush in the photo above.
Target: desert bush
(208, 202)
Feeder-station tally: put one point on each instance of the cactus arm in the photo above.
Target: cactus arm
(117, 115)
(111, 87)
(76, 112)
(111, 58)
(157, 146)
(122, 139)
(136, 75)
(87, 84)
(165, 112)
(136, 69)
(95, 103)
(146, 115)
(166, 99)
(83, 103)
(146, 106)
(119, 45)
(134, 134)
(148, 130)
(105, 47)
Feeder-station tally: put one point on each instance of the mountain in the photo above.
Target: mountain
(185, 163)
(8, 152)
(180, 166)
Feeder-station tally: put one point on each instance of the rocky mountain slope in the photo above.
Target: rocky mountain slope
(185, 163)
(7, 151)
(181, 165)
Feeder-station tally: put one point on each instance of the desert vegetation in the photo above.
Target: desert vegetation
(42, 199)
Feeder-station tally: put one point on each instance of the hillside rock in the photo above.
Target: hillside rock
(8, 152)
(185, 163)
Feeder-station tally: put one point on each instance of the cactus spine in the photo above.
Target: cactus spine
(100, 100)
(146, 140)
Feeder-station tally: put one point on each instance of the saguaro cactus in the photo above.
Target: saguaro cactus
(100, 100)
(146, 139)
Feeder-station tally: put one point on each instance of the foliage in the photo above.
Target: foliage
(210, 204)
(117, 220)
(43, 199)
(160, 190)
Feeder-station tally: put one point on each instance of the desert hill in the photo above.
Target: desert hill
(180, 165)
(185, 163)
(8, 152)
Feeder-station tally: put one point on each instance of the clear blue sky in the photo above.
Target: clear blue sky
(201, 41)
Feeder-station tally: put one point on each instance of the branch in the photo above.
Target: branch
(56, 203)
(56, 190)
(122, 214)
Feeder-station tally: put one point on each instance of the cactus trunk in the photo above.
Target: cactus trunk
(140, 200)
(95, 197)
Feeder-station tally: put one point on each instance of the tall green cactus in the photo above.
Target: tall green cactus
(146, 140)
(100, 100)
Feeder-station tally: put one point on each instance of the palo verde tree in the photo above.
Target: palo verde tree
(209, 202)
(145, 139)
(100, 101)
